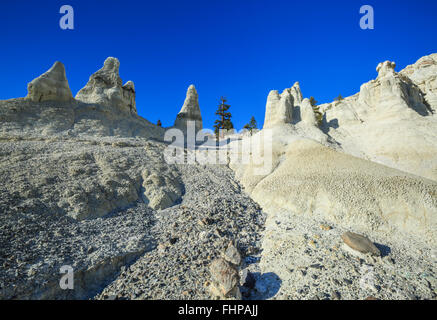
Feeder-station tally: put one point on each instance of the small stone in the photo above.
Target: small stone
(335, 295)
(360, 243)
(325, 227)
(317, 266)
(232, 254)
(312, 243)
(225, 275)
(205, 221)
(371, 298)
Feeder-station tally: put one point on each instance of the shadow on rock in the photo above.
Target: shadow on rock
(385, 251)
(266, 286)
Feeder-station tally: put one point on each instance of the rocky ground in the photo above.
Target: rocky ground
(136, 252)
(44, 180)
(190, 236)
(307, 259)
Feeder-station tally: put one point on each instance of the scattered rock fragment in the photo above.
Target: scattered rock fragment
(232, 255)
(225, 280)
(335, 295)
(325, 227)
(360, 243)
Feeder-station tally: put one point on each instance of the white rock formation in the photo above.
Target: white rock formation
(190, 111)
(279, 108)
(106, 88)
(289, 107)
(424, 74)
(390, 95)
(386, 68)
(308, 178)
(389, 121)
(307, 115)
(50, 86)
(296, 93)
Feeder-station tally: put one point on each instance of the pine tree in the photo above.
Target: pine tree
(159, 124)
(251, 125)
(224, 121)
(339, 98)
(313, 102)
(316, 109)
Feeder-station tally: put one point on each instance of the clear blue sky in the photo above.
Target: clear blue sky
(241, 49)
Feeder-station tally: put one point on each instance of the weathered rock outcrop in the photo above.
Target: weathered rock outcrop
(386, 68)
(390, 121)
(390, 95)
(289, 107)
(190, 111)
(307, 113)
(296, 93)
(424, 74)
(104, 107)
(279, 108)
(106, 88)
(50, 86)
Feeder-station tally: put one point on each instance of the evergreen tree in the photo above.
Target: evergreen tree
(316, 109)
(159, 124)
(313, 102)
(224, 120)
(339, 98)
(251, 125)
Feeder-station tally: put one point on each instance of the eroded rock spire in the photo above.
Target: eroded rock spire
(190, 111)
(106, 88)
(50, 86)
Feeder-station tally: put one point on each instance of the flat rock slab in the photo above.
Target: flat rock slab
(360, 243)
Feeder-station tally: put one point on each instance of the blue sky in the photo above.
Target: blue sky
(240, 49)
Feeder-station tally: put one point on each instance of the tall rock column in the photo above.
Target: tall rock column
(279, 108)
(190, 111)
(296, 93)
(307, 114)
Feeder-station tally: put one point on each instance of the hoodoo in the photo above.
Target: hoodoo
(190, 111)
(106, 88)
(50, 86)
